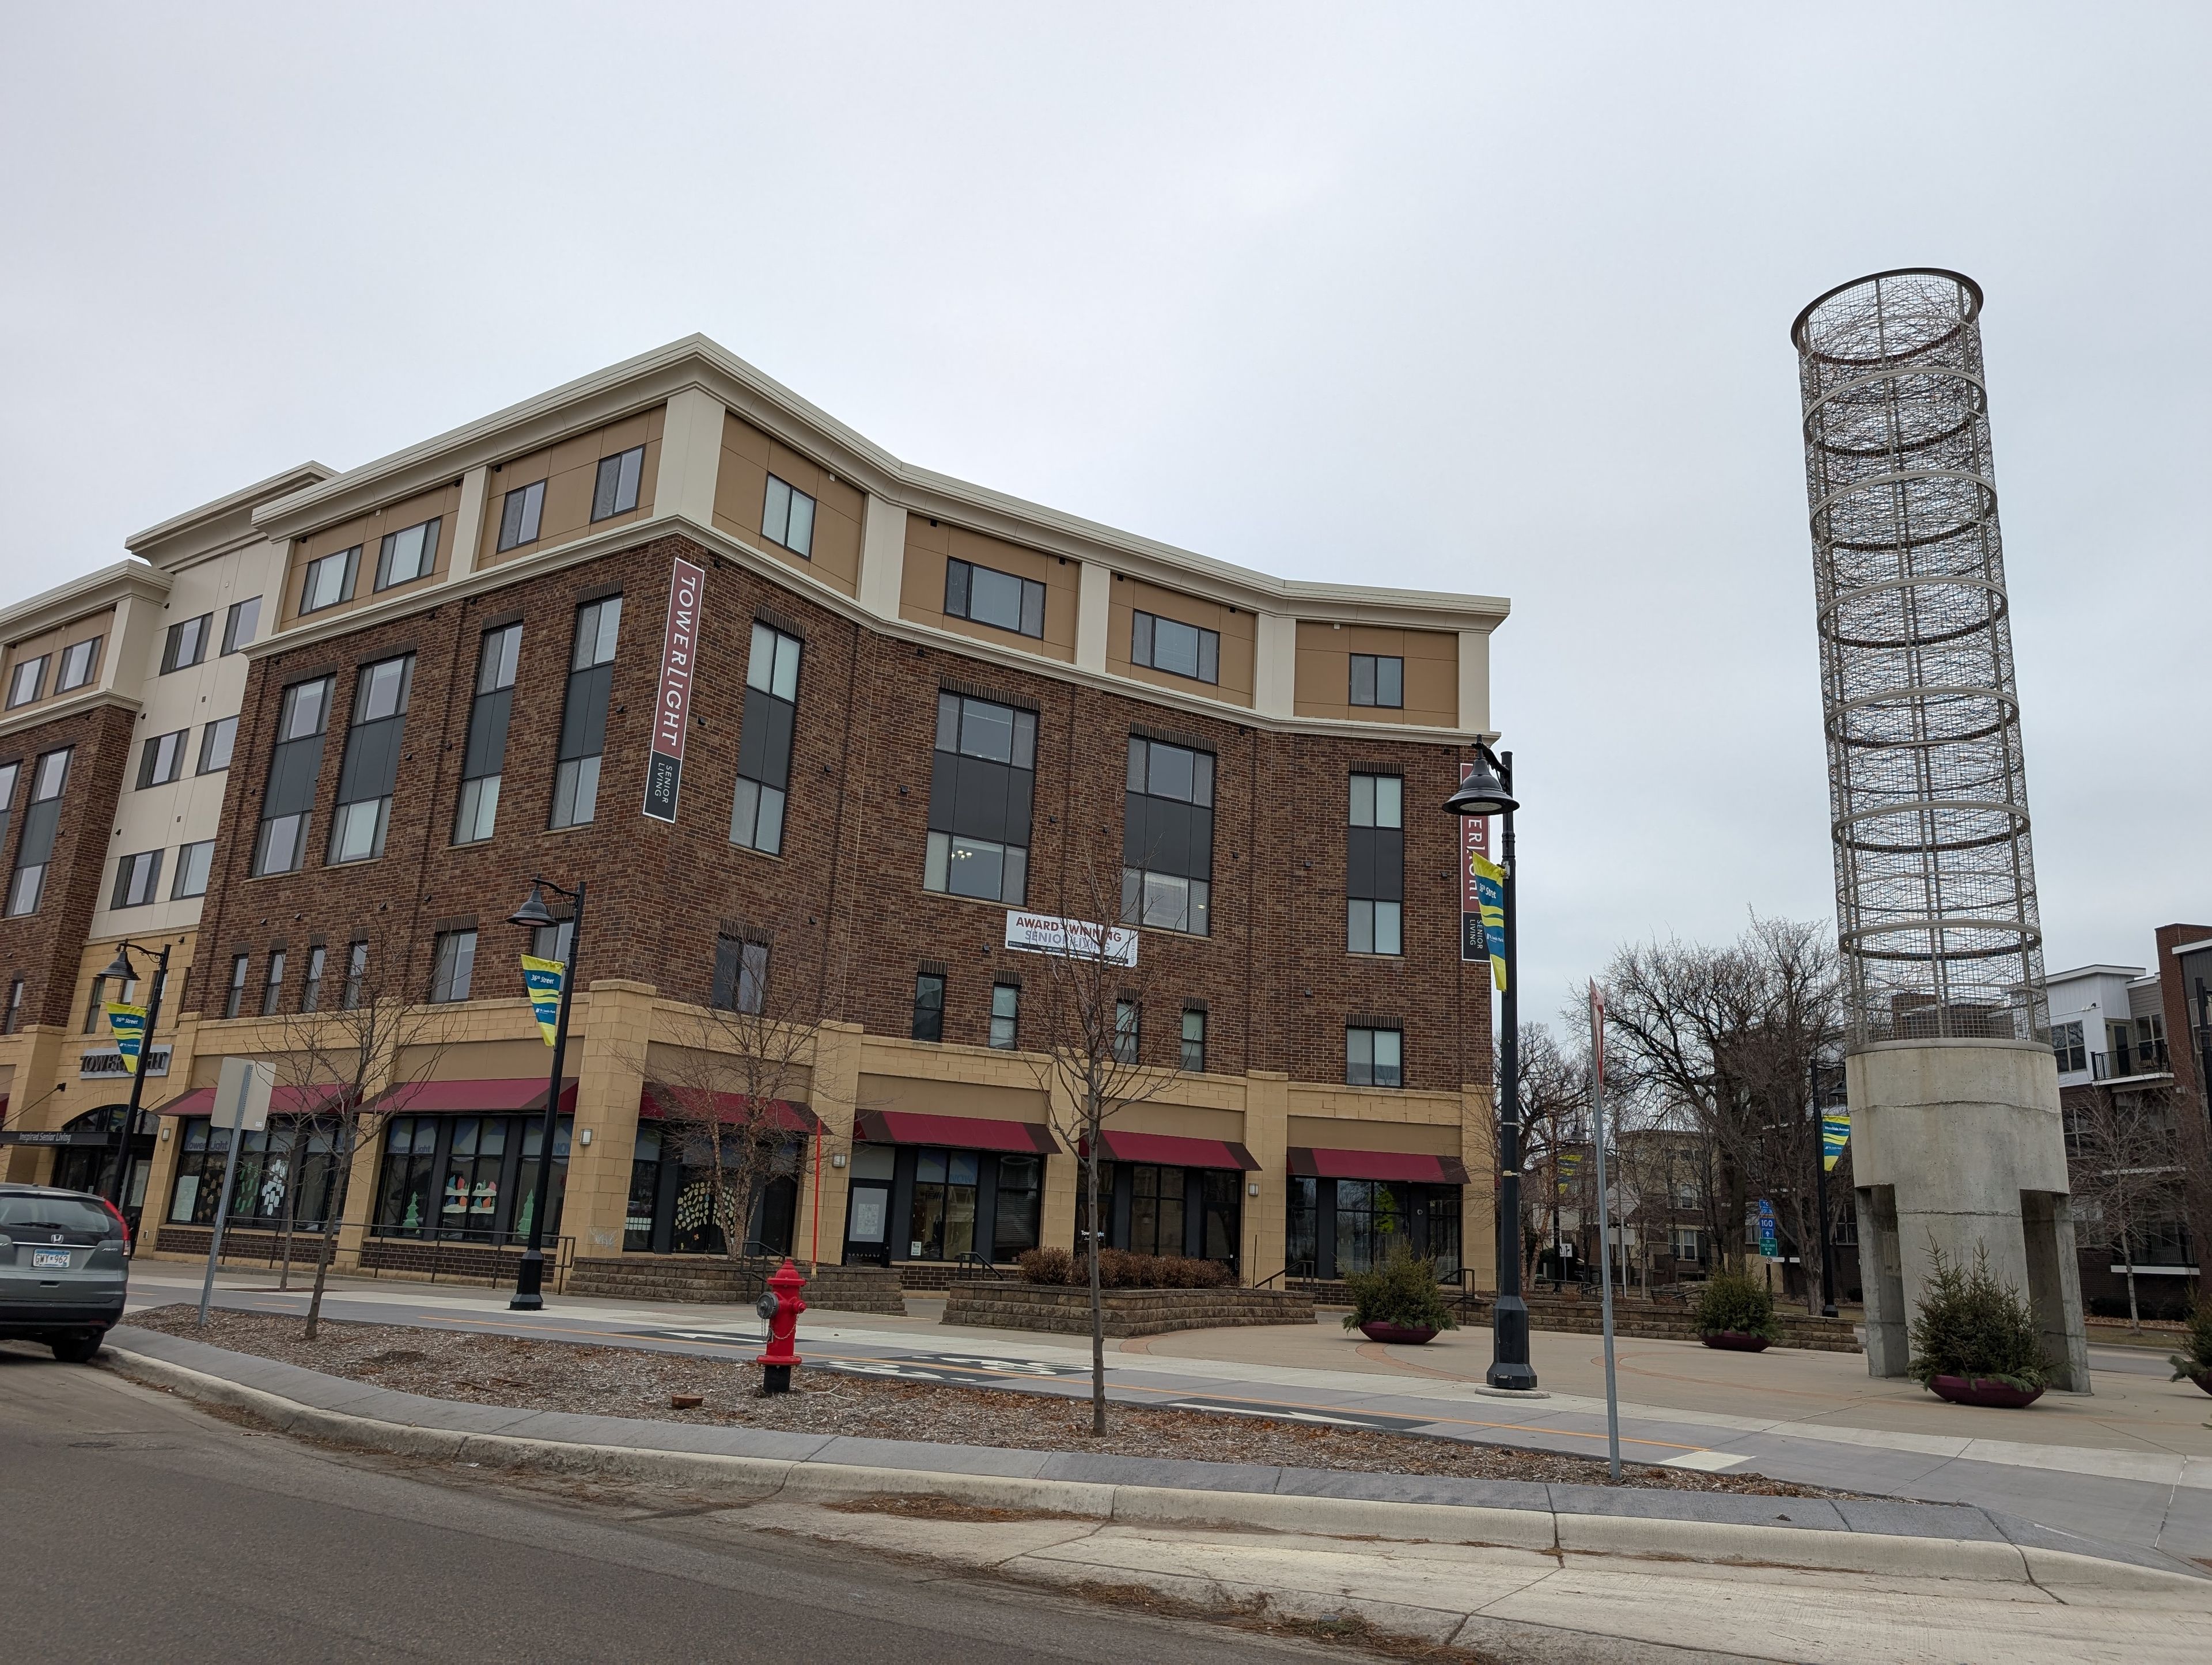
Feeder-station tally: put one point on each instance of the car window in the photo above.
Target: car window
(56, 1214)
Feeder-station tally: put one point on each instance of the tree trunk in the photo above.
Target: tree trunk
(2128, 1258)
(343, 1156)
(291, 1206)
(1097, 1307)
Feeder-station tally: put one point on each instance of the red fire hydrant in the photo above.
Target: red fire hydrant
(781, 1306)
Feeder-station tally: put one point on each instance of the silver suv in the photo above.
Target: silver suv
(63, 1268)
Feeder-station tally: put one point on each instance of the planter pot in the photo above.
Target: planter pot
(1410, 1335)
(1735, 1341)
(1982, 1391)
(2203, 1379)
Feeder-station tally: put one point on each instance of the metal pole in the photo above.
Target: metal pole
(1820, 1197)
(1509, 1365)
(230, 1175)
(122, 1177)
(1604, 1234)
(530, 1274)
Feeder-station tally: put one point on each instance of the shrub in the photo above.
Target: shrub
(1968, 1324)
(1118, 1268)
(1402, 1291)
(1045, 1266)
(1738, 1303)
(2194, 1359)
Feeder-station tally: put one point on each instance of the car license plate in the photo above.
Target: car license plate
(44, 1257)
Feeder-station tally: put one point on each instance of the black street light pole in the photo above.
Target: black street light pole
(530, 1274)
(1821, 1198)
(1488, 790)
(120, 966)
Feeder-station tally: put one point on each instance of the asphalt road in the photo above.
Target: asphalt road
(133, 1528)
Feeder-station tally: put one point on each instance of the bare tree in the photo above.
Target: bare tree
(2121, 1152)
(1089, 1023)
(726, 1089)
(356, 1060)
(1555, 1097)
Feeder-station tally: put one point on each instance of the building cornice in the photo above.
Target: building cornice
(632, 534)
(651, 379)
(216, 528)
(55, 711)
(52, 608)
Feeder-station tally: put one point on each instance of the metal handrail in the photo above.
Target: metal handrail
(969, 1266)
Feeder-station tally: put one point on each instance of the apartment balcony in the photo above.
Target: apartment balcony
(2137, 1063)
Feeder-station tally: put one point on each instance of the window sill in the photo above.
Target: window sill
(1364, 954)
(954, 895)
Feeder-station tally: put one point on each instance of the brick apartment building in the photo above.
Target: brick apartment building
(339, 714)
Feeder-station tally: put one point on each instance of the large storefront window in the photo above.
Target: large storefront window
(91, 1167)
(929, 1203)
(285, 1165)
(673, 1191)
(472, 1177)
(1337, 1226)
(1156, 1208)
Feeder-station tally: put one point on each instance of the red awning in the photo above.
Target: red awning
(660, 1101)
(1310, 1163)
(509, 1093)
(1173, 1151)
(961, 1132)
(282, 1101)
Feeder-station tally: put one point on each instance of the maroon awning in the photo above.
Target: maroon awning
(1173, 1150)
(1308, 1162)
(660, 1101)
(282, 1101)
(509, 1093)
(968, 1133)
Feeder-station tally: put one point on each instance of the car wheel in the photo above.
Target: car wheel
(76, 1349)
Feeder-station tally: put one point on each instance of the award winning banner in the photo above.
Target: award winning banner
(129, 1022)
(1075, 938)
(543, 978)
(671, 709)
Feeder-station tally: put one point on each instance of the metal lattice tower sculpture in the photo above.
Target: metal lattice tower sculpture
(1935, 873)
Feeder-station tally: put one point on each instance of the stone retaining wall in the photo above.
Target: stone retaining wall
(712, 1280)
(1010, 1304)
(1669, 1323)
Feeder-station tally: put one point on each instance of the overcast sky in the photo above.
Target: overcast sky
(1452, 298)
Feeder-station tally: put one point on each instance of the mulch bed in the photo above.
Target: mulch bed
(635, 1381)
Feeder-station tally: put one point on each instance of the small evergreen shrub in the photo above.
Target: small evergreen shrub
(1736, 1302)
(2194, 1359)
(1402, 1291)
(1969, 1324)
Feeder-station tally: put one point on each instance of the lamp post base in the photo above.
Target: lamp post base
(529, 1280)
(1509, 1365)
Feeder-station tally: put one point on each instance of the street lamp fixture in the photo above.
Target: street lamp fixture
(122, 969)
(533, 914)
(1488, 790)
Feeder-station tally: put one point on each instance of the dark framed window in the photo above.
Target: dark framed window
(26, 682)
(162, 759)
(740, 974)
(1167, 838)
(1375, 865)
(234, 1000)
(409, 554)
(330, 578)
(614, 490)
(9, 772)
(983, 779)
(138, 880)
(1156, 1208)
(467, 1176)
(79, 660)
(194, 862)
(295, 762)
(1006, 1016)
(1017, 1210)
(484, 763)
(356, 973)
(520, 513)
(984, 595)
(1378, 679)
(272, 985)
(584, 711)
(1374, 1057)
(240, 624)
(1193, 1040)
(41, 821)
(1127, 1038)
(2067, 1043)
(185, 644)
(95, 1002)
(311, 990)
(943, 1223)
(217, 741)
(787, 517)
(551, 942)
(370, 767)
(765, 741)
(15, 1018)
(929, 1005)
(284, 1168)
(453, 967)
(1169, 645)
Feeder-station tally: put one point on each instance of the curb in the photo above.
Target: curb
(756, 1478)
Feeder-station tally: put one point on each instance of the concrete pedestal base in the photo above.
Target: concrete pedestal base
(1956, 1145)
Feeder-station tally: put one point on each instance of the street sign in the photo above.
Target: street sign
(1767, 1243)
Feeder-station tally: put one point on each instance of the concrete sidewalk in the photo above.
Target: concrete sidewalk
(1530, 1571)
(2132, 1464)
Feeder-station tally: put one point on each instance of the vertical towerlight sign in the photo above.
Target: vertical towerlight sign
(672, 705)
